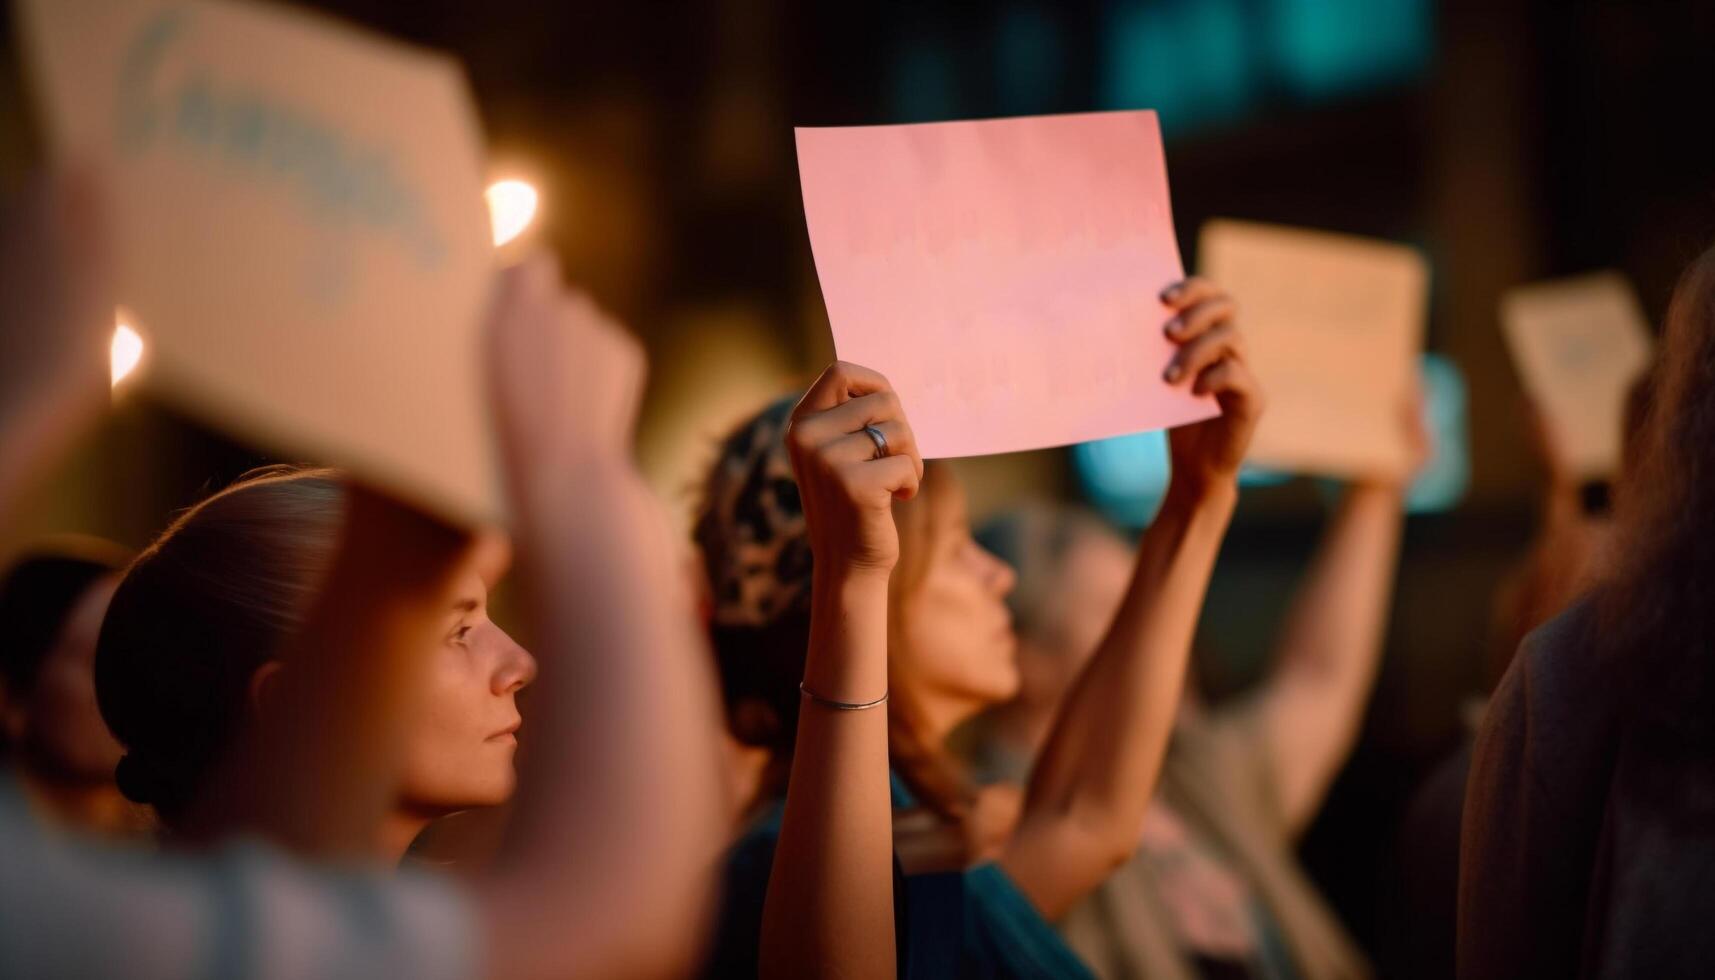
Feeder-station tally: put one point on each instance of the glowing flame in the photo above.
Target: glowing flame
(511, 205)
(127, 350)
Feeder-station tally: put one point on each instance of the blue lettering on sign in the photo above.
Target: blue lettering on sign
(335, 176)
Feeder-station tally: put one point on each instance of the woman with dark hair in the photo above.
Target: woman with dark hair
(191, 645)
(1589, 825)
(51, 732)
(856, 618)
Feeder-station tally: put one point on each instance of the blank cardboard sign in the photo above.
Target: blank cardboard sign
(1334, 325)
(1579, 344)
(1002, 274)
(300, 228)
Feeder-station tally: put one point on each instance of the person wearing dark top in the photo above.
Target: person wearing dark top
(1567, 557)
(1588, 845)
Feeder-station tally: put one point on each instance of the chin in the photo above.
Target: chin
(1007, 687)
(994, 689)
(492, 789)
(476, 798)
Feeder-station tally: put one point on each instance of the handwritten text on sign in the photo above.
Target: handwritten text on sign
(300, 228)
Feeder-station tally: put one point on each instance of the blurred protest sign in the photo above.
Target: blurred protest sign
(1579, 344)
(1003, 274)
(300, 227)
(1334, 326)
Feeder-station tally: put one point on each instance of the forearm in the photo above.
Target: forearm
(1096, 775)
(1330, 646)
(36, 430)
(1333, 631)
(830, 893)
(613, 844)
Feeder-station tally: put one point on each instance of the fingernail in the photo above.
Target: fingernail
(1169, 293)
(1172, 326)
(1172, 373)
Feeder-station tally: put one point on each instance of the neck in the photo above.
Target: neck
(89, 805)
(927, 718)
(1022, 728)
(398, 829)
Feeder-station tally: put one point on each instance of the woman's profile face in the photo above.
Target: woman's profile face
(460, 752)
(956, 632)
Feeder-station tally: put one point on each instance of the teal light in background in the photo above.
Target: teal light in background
(924, 85)
(1028, 60)
(1446, 413)
(1323, 48)
(1447, 476)
(1125, 477)
(1252, 475)
(1205, 62)
(1188, 59)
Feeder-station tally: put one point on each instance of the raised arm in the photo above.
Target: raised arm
(610, 859)
(1326, 656)
(1331, 642)
(56, 318)
(830, 892)
(1084, 808)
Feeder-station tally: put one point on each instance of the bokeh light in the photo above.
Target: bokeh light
(511, 208)
(126, 351)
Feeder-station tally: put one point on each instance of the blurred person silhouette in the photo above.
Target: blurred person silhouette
(609, 857)
(1565, 559)
(856, 623)
(51, 734)
(1588, 837)
(191, 642)
(1214, 888)
(1575, 522)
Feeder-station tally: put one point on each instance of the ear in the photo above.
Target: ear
(262, 686)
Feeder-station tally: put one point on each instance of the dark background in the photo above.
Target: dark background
(1511, 141)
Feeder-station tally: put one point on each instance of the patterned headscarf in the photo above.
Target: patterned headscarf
(751, 531)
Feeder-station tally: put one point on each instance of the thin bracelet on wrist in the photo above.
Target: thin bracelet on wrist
(839, 705)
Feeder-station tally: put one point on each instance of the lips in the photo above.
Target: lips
(507, 734)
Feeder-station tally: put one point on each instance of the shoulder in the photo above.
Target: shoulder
(247, 911)
(1557, 663)
(1006, 936)
(1534, 804)
(1555, 711)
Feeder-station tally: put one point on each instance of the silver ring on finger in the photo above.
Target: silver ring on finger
(876, 437)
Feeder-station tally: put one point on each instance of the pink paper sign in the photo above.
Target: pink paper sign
(1002, 274)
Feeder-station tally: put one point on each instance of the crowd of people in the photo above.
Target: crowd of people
(865, 738)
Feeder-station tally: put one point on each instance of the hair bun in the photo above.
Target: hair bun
(139, 781)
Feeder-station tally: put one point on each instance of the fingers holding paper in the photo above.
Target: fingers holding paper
(1210, 361)
(1198, 305)
(853, 453)
(565, 379)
